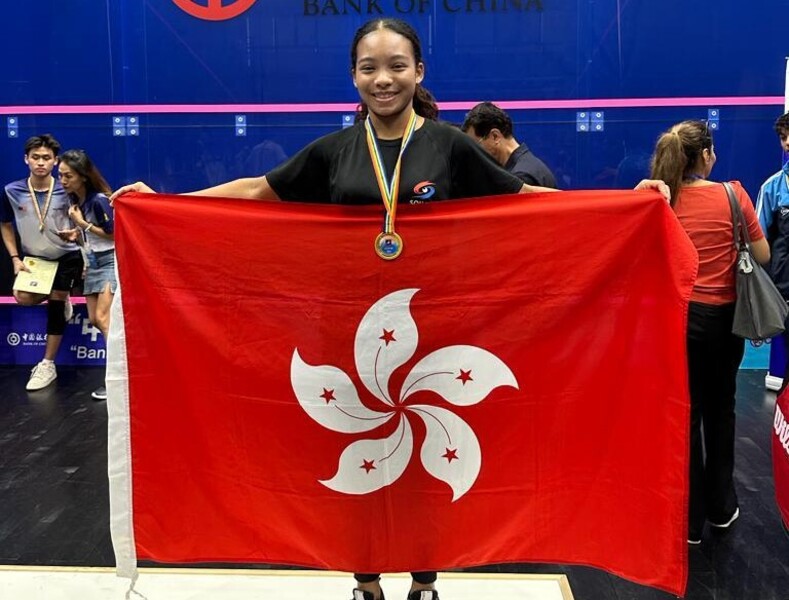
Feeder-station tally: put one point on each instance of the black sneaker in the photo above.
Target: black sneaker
(728, 522)
(99, 394)
(362, 595)
(423, 595)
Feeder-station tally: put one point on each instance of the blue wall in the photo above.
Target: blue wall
(151, 52)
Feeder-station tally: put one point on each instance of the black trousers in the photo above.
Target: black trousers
(423, 577)
(714, 357)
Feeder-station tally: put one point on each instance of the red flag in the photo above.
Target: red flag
(781, 455)
(512, 388)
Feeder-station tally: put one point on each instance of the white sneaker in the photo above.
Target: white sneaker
(68, 310)
(99, 393)
(41, 376)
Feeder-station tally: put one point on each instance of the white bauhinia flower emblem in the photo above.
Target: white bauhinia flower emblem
(387, 337)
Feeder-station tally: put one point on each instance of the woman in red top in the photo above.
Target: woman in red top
(684, 156)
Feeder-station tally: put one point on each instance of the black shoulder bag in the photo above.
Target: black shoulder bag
(760, 311)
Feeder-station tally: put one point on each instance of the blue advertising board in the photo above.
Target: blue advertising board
(23, 337)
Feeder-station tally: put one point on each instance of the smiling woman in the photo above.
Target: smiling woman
(387, 68)
(396, 152)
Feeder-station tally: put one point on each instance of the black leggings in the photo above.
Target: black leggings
(423, 577)
(714, 356)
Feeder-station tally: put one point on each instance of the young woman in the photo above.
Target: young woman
(396, 138)
(92, 215)
(684, 157)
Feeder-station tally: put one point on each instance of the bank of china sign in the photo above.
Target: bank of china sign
(223, 10)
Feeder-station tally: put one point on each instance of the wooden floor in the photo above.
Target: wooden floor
(54, 507)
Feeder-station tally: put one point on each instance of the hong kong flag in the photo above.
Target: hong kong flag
(511, 388)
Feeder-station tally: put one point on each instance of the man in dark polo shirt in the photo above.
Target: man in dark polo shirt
(492, 128)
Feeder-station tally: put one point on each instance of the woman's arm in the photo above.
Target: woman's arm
(646, 184)
(250, 188)
(534, 189)
(761, 251)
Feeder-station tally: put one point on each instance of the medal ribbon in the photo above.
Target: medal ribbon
(389, 189)
(42, 215)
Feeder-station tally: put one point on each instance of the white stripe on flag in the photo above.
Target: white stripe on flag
(119, 444)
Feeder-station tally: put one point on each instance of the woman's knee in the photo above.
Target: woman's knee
(101, 320)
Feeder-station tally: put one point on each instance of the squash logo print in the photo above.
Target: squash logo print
(214, 10)
(387, 337)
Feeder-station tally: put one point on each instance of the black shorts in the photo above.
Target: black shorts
(69, 271)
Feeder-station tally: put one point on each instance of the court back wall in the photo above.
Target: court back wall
(641, 65)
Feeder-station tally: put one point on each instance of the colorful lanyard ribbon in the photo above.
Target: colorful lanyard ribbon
(42, 215)
(389, 244)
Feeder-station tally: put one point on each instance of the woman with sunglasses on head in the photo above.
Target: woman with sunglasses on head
(683, 158)
(92, 216)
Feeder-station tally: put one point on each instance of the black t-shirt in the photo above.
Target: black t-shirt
(530, 169)
(440, 163)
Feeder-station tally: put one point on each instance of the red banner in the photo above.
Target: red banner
(781, 455)
(512, 388)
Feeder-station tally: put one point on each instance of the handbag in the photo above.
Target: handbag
(759, 311)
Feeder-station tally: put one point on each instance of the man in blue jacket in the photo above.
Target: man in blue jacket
(772, 206)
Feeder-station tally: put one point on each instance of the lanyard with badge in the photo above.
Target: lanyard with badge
(388, 243)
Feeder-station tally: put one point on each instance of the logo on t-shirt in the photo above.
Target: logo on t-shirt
(424, 190)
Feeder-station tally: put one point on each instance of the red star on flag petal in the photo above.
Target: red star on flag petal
(388, 336)
(465, 376)
(367, 465)
(451, 455)
(328, 395)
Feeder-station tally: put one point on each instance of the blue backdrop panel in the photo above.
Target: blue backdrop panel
(281, 51)
(22, 337)
(297, 51)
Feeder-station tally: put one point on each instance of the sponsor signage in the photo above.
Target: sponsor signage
(214, 10)
(223, 10)
(23, 337)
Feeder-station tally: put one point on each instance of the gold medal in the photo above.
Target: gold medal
(388, 245)
(41, 214)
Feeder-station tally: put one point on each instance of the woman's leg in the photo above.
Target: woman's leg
(702, 372)
(102, 310)
(719, 433)
(90, 302)
(369, 582)
(714, 356)
(423, 580)
(697, 375)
